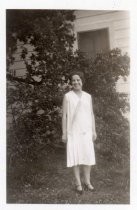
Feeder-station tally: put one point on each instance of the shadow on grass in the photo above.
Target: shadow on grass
(47, 180)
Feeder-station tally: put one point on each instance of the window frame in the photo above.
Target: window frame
(95, 30)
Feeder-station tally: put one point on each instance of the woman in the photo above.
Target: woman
(78, 130)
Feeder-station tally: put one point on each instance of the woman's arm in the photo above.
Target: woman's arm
(64, 120)
(93, 122)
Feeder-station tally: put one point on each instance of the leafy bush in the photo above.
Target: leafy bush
(109, 105)
(36, 103)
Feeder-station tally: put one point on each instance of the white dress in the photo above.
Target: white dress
(80, 148)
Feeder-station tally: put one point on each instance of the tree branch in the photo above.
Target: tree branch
(24, 80)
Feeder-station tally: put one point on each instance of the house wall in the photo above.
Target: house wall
(19, 66)
(118, 25)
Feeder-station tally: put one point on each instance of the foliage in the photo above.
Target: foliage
(36, 100)
(110, 106)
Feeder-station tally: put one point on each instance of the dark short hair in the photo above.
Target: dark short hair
(79, 73)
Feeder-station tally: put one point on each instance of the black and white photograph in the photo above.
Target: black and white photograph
(67, 106)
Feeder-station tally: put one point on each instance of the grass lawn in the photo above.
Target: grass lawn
(49, 181)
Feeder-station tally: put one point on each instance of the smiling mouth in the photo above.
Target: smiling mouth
(77, 86)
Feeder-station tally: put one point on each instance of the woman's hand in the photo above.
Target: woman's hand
(94, 135)
(64, 139)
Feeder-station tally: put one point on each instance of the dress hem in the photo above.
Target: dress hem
(69, 166)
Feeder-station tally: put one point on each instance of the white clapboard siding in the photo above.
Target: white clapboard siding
(118, 24)
(18, 65)
(122, 42)
(123, 86)
(122, 33)
(108, 16)
(121, 24)
(80, 14)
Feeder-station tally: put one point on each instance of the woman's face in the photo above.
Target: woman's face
(76, 82)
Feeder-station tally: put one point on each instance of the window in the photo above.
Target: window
(92, 42)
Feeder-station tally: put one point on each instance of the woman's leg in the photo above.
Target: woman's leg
(76, 170)
(87, 170)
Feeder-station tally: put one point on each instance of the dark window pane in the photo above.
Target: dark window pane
(92, 42)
